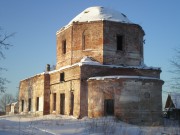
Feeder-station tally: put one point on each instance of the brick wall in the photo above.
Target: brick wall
(136, 101)
(32, 88)
(70, 84)
(132, 52)
(74, 40)
(100, 42)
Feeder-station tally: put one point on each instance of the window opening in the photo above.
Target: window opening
(54, 103)
(64, 46)
(37, 104)
(119, 42)
(72, 103)
(86, 40)
(29, 104)
(62, 104)
(109, 107)
(83, 42)
(22, 105)
(62, 77)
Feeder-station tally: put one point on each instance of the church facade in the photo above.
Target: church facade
(100, 71)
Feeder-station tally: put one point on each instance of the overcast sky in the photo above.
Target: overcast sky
(36, 22)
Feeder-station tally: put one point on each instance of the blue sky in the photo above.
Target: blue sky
(36, 22)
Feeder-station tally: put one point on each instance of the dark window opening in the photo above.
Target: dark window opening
(54, 101)
(22, 105)
(72, 103)
(64, 46)
(62, 104)
(109, 107)
(119, 42)
(37, 104)
(62, 77)
(83, 42)
(29, 104)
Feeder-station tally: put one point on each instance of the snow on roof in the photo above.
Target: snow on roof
(99, 13)
(34, 76)
(122, 76)
(90, 61)
(84, 61)
(175, 97)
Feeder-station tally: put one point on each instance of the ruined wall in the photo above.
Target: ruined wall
(132, 52)
(32, 88)
(136, 101)
(8, 109)
(82, 39)
(14, 108)
(71, 84)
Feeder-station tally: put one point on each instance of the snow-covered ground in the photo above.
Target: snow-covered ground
(68, 125)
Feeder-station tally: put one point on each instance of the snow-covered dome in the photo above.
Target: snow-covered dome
(100, 13)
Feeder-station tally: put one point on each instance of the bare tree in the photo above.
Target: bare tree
(175, 62)
(4, 100)
(4, 45)
(17, 95)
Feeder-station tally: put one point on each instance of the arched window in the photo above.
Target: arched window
(86, 38)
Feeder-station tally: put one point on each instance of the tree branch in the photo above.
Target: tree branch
(4, 44)
(175, 80)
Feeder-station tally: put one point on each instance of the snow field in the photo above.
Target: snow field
(68, 125)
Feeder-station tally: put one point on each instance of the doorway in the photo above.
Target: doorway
(72, 103)
(62, 104)
(54, 102)
(29, 104)
(22, 105)
(109, 107)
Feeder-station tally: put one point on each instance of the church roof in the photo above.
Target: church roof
(173, 98)
(100, 13)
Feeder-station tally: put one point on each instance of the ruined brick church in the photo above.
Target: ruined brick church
(100, 71)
